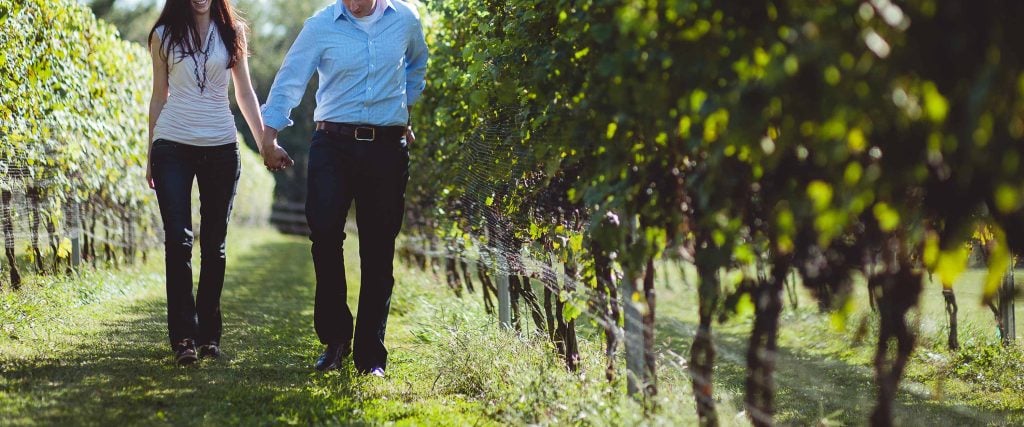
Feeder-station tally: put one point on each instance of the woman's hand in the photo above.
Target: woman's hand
(149, 176)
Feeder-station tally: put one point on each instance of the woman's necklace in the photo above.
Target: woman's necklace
(205, 56)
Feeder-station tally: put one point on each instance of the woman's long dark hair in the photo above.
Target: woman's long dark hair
(180, 28)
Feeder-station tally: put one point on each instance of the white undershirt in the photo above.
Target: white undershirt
(367, 21)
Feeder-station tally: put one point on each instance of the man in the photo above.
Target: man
(371, 57)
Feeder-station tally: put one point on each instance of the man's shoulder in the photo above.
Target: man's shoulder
(406, 9)
(322, 16)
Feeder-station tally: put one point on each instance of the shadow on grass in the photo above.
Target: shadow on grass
(123, 372)
(809, 388)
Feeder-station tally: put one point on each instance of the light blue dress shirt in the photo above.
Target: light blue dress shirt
(365, 77)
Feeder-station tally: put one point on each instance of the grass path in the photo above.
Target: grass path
(108, 363)
(113, 365)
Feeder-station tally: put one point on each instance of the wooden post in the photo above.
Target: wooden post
(634, 333)
(6, 197)
(1006, 308)
(76, 232)
(504, 297)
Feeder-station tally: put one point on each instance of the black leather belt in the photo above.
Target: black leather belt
(367, 133)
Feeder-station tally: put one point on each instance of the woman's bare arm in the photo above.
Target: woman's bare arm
(245, 96)
(158, 98)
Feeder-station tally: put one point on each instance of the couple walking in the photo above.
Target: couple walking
(371, 57)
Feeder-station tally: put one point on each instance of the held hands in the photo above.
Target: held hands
(276, 158)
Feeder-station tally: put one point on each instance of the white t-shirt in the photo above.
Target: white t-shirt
(194, 115)
(367, 21)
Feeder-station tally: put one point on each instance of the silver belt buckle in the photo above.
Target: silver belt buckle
(372, 131)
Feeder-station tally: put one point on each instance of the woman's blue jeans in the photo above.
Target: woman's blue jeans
(216, 170)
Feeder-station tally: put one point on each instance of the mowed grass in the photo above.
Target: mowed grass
(109, 362)
(93, 351)
(105, 360)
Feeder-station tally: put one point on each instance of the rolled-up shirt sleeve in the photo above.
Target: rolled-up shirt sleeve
(416, 64)
(290, 82)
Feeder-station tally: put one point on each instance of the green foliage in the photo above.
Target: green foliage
(806, 135)
(791, 127)
(73, 111)
(74, 130)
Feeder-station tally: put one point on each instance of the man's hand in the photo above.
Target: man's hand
(409, 136)
(275, 158)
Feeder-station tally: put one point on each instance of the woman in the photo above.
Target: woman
(194, 45)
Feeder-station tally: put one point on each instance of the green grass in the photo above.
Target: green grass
(521, 379)
(824, 366)
(110, 362)
(105, 360)
(43, 309)
(92, 350)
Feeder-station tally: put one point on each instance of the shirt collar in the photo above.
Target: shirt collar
(340, 9)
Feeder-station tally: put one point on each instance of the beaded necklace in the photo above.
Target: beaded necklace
(204, 55)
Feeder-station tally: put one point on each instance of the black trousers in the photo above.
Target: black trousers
(216, 169)
(372, 174)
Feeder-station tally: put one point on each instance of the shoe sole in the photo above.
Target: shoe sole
(328, 368)
(209, 355)
(187, 360)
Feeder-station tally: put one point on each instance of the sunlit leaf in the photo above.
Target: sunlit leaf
(820, 193)
(951, 263)
(888, 218)
(999, 259)
(935, 105)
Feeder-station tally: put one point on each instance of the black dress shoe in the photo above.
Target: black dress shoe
(331, 358)
(209, 350)
(185, 352)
